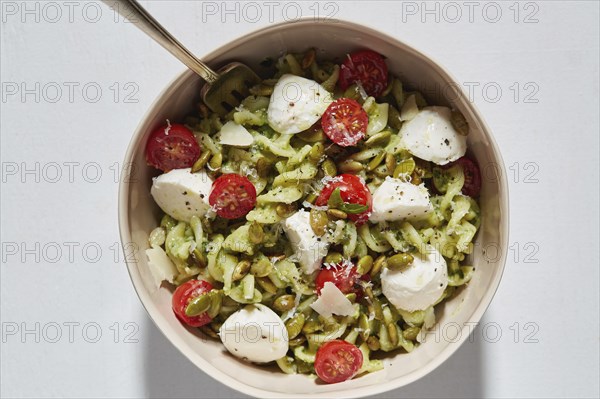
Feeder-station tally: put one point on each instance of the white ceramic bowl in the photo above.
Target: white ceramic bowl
(138, 214)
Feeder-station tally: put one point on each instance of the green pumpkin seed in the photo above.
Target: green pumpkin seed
(411, 333)
(216, 302)
(373, 343)
(350, 166)
(263, 167)
(261, 268)
(365, 327)
(285, 210)
(406, 166)
(311, 326)
(206, 330)
(241, 269)
(351, 297)
(329, 168)
(312, 135)
(390, 162)
(364, 264)
(299, 340)
(256, 233)
(316, 152)
(215, 162)
(393, 333)
(284, 303)
(459, 123)
(201, 161)
(378, 265)
(336, 214)
(399, 261)
(294, 325)
(308, 59)
(267, 285)
(311, 198)
(334, 258)
(394, 118)
(198, 305)
(318, 221)
(375, 162)
(379, 139)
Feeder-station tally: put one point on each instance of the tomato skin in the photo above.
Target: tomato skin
(472, 185)
(337, 361)
(232, 196)
(183, 295)
(345, 122)
(353, 190)
(173, 147)
(365, 66)
(344, 276)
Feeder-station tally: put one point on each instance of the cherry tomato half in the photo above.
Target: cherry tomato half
(173, 147)
(232, 196)
(343, 275)
(366, 67)
(182, 297)
(337, 361)
(345, 122)
(472, 185)
(352, 190)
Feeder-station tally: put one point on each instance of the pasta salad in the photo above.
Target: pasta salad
(321, 221)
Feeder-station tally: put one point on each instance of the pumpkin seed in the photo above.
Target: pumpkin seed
(411, 333)
(336, 214)
(316, 152)
(318, 221)
(241, 269)
(294, 325)
(198, 305)
(378, 139)
(215, 304)
(375, 162)
(312, 135)
(261, 268)
(393, 333)
(284, 303)
(329, 168)
(349, 166)
(334, 258)
(364, 264)
(459, 123)
(267, 285)
(256, 233)
(399, 261)
(390, 162)
(201, 161)
(285, 210)
(373, 343)
(378, 265)
(215, 162)
(263, 167)
(299, 340)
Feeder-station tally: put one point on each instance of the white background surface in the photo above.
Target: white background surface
(546, 308)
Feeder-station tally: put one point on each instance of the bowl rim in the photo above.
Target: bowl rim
(223, 378)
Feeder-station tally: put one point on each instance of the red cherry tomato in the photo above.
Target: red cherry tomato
(352, 190)
(173, 147)
(337, 361)
(367, 68)
(232, 196)
(345, 122)
(472, 185)
(182, 297)
(343, 275)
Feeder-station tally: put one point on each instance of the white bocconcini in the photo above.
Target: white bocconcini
(418, 286)
(431, 136)
(256, 334)
(296, 104)
(309, 248)
(182, 194)
(395, 200)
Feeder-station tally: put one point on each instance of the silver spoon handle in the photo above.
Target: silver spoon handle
(135, 13)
